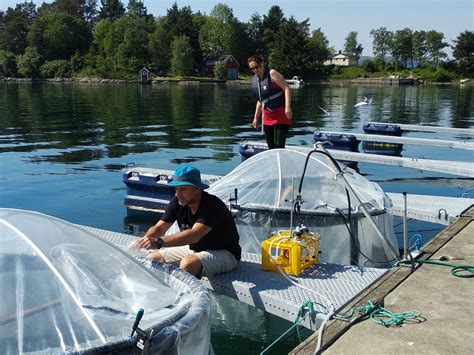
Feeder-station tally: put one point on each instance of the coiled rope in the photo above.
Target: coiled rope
(380, 315)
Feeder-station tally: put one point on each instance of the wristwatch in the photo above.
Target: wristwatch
(159, 243)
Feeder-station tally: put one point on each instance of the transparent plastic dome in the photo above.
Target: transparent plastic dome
(64, 289)
(271, 179)
(268, 182)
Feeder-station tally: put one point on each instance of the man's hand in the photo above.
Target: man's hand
(148, 242)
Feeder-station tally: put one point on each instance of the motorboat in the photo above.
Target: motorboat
(295, 82)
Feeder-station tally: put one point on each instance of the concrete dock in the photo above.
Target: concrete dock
(446, 304)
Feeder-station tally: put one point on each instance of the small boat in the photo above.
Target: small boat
(295, 82)
(148, 189)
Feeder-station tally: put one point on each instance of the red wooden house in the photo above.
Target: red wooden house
(232, 66)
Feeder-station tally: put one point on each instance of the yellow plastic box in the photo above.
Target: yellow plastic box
(293, 255)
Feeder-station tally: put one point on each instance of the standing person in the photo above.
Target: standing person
(208, 241)
(274, 98)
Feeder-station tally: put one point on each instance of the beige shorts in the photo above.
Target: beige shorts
(213, 261)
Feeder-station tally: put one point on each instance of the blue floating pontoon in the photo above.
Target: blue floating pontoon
(338, 141)
(384, 129)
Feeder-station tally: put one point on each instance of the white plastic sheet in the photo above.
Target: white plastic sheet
(64, 289)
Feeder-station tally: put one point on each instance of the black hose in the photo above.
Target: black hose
(355, 243)
(336, 164)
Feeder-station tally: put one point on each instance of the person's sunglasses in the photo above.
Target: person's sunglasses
(255, 67)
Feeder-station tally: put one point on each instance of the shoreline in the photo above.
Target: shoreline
(164, 81)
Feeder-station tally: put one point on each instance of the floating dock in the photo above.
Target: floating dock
(441, 166)
(428, 128)
(444, 301)
(462, 144)
(272, 292)
(435, 209)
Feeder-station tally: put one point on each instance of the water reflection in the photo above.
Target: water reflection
(73, 123)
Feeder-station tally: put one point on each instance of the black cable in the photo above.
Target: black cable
(346, 219)
(355, 243)
(338, 168)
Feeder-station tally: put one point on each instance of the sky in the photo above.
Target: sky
(337, 18)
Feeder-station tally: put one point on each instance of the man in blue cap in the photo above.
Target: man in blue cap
(208, 241)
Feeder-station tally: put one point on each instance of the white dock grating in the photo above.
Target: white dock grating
(271, 292)
(427, 128)
(441, 166)
(435, 209)
(463, 144)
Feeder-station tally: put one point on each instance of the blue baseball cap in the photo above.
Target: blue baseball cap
(187, 175)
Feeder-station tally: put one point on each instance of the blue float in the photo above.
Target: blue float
(347, 142)
(381, 147)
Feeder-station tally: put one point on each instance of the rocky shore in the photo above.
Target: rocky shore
(167, 80)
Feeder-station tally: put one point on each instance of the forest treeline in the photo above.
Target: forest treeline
(85, 38)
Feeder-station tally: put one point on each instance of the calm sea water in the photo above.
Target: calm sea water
(62, 147)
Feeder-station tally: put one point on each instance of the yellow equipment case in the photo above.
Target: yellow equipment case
(291, 254)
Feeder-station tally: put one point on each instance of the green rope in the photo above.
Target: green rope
(388, 318)
(380, 315)
(456, 270)
(306, 308)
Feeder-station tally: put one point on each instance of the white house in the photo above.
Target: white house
(341, 59)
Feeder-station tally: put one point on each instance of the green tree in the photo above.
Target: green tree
(463, 48)
(70, 7)
(7, 63)
(159, 46)
(29, 63)
(272, 23)
(221, 33)
(290, 55)
(220, 70)
(132, 51)
(121, 46)
(382, 41)
(111, 9)
(102, 42)
(89, 13)
(463, 52)
(177, 22)
(137, 8)
(419, 46)
(254, 34)
(15, 24)
(402, 45)
(352, 47)
(56, 69)
(59, 36)
(435, 46)
(319, 47)
(182, 56)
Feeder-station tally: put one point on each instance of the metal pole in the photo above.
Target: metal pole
(405, 227)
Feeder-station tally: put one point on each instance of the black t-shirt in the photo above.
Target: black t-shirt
(213, 213)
